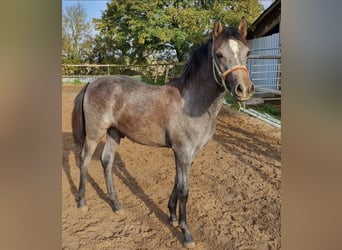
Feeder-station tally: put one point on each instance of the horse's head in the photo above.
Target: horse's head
(229, 57)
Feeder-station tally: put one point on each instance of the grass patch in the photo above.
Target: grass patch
(266, 108)
(150, 80)
(270, 109)
(229, 99)
(77, 81)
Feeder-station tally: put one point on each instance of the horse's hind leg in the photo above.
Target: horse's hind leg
(107, 159)
(87, 152)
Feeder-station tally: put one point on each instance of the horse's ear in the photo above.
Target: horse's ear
(217, 29)
(243, 27)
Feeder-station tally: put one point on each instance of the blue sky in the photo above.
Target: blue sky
(266, 3)
(94, 7)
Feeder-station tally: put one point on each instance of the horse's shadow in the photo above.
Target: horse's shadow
(68, 147)
(238, 147)
(120, 170)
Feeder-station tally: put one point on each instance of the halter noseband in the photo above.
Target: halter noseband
(224, 74)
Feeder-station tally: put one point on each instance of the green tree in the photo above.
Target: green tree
(76, 39)
(135, 31)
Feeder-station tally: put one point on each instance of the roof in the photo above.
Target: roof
(267, 23)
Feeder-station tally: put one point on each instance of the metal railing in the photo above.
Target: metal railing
(265, 70)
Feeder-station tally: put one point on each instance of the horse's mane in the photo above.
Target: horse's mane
(202, 54)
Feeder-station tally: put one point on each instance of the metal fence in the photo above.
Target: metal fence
(265, 69)
(264, 63)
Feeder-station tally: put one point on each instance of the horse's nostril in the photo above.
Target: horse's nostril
(239, 90)
(252, 91)
(252, 88)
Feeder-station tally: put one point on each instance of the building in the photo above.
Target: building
(264, 60)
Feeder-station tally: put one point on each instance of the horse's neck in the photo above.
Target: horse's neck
(202, 95)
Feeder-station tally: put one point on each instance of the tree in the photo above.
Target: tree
(137, 31)
(76, 38)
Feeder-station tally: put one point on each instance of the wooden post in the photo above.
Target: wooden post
(166, 74)
(156, 78)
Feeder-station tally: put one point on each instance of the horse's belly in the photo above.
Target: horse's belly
(143, 132)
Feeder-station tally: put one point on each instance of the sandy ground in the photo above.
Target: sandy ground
(234, 200)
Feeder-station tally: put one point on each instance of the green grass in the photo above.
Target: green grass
(150, 80)
(266, 108)
(228, 98)
(270, 109)
(77, 81)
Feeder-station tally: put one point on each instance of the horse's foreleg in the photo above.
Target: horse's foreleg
(87, 152)
(107, 159)
(183, 162)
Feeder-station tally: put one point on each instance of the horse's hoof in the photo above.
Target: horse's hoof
(190, 244)
(173, 223)
(119, 211)
(83, 209)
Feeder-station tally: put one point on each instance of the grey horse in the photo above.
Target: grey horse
(180, 115)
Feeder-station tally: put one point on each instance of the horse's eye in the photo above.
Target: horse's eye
(219, 55)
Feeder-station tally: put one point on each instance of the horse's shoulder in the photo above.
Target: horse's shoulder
(171, 92)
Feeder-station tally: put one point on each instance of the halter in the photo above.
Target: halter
(224, 74)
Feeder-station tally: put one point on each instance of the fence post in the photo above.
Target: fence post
(166, 73)
(156, 78)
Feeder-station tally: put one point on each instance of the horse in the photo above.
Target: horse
(180, 115)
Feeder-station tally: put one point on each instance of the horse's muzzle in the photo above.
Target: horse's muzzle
(243, 91)
(243, 88)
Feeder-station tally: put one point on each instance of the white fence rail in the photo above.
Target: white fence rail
(264, 63)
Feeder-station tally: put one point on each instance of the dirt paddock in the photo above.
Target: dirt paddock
(234, 199)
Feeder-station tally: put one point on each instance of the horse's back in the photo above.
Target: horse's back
(140, 111)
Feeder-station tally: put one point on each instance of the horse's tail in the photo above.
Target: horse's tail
(78, 122)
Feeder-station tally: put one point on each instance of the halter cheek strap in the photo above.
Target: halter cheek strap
(225, 74)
